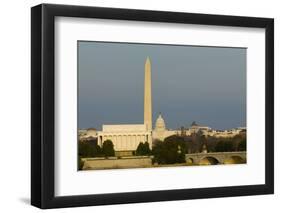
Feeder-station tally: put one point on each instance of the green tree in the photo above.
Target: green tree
(179, 140)
(174, 138)
(168, 152)
(140, 149)
(242, 145)
(224, 146)
(211, 146)
(236, 141)
(143, 149)
(108, 148)
(197, 141)
(146, 148)
(88, 149)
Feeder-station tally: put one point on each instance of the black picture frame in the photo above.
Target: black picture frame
(43, 101)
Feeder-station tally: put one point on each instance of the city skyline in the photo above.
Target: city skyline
(112, 91)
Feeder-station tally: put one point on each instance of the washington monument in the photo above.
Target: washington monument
(147, 95)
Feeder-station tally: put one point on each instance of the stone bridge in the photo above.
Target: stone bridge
(213, 158)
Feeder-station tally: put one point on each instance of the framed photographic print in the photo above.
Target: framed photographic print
(139, 106)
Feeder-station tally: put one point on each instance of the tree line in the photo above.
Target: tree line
(171, 150)
(87, 149)
(91, 149)
(196, 143)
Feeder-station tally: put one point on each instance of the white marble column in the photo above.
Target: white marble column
(102, 139)
(121, 142)
(126, 142)
(114, 141)
(132, 142)
(135, 141)
(138, 139)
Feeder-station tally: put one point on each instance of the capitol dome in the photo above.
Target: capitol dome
(160, 124)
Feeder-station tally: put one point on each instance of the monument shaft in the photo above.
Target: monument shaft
(147, 95)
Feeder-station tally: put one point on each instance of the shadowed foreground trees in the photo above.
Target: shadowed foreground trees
(108, 148)
(171, 150)
(231, 144)
(143, 149)
(242, 145)
(90, 149)
(166, 152)
(224, 146)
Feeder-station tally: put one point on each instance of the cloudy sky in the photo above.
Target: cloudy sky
(189, 83)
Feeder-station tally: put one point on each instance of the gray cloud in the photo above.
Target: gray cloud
(205, 84)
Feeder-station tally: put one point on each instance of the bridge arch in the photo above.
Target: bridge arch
(209, 161)
(189, 161)
(234, 160)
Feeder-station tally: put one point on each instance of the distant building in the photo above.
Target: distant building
(124, 137)
(87, 134)
(228, 133)
(209, 132)
(195, 128)
(160, 132)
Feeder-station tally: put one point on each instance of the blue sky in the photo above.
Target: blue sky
(189, 83)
